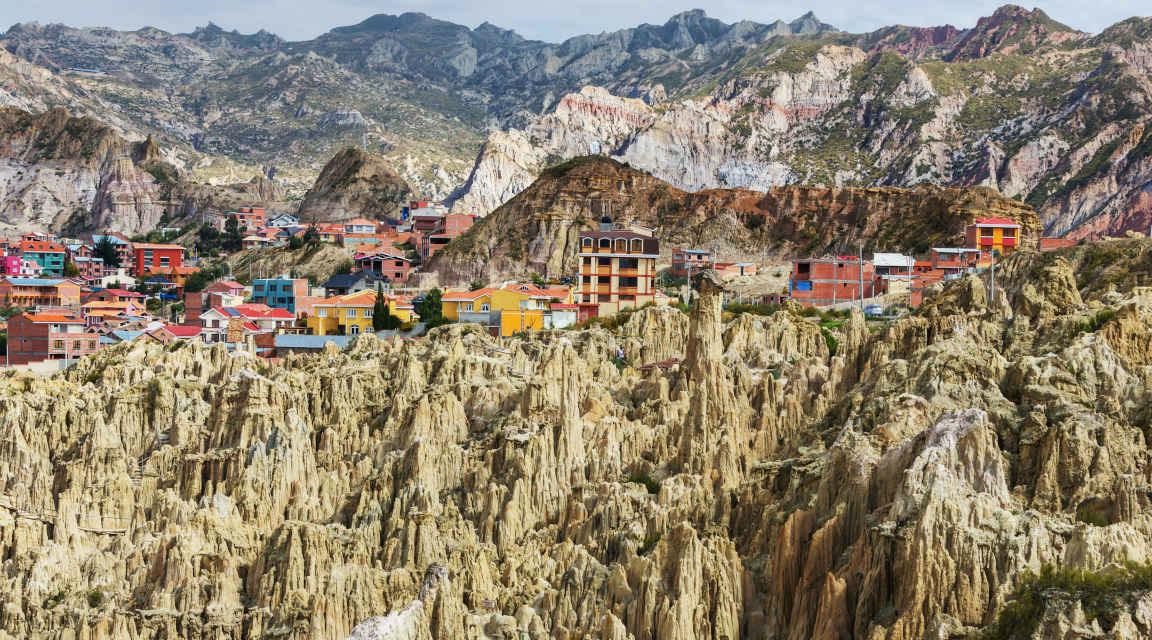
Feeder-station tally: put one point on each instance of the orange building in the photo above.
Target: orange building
(39, 292)
(1000, 234)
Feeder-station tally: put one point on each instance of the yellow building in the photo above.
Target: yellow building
(351, 314)
(512, 308)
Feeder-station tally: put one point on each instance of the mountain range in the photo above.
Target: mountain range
(1018, 102)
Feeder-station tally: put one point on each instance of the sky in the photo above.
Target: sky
(547, 20)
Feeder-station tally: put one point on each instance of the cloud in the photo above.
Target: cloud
(297, 19)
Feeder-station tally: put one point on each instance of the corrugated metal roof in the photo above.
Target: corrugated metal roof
(35, 282)
(892, 260)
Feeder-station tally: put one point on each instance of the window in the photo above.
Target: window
(57, 344)
(321, 313)
(621, 245)
(351, 313)
(587, 261)
(637, 245)
(586, 242)
(355, 329)
(629, 263)
(484, 307)
(75, 345)
(605, 243)
(367, 313)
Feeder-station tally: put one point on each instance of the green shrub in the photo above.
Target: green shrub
(648, 545)
(1101, 594)
(650, 483)
(831, 341)
(95, 598)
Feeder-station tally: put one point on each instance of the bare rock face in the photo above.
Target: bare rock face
(355, 184)
(759, 483)
(58, 172)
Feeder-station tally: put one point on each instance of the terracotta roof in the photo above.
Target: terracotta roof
(54, 318)
(39, 246)
(459, 296)
(360, 222)
(124, 293)
(223, 285)
(363, 298)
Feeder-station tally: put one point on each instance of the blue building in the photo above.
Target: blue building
(280, 293)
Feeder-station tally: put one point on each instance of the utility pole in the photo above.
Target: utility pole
(860, 271)
(992, 285)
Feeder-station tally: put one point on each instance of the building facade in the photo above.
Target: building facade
(280, 293)
(617, 269)
(49, 255)
(49, 335)
(828, 281)
(39, 292)
(999, 234)
(686, 262)
(156, 259)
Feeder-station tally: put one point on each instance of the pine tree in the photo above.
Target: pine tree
(106, 250)
(381, 316)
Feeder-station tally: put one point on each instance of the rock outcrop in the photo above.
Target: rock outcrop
(355, 184)
(785, 479)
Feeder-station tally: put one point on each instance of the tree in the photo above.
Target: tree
(381, 315)
(312, 236)
(70, 269)
(233, 238)
(430, 308)
(106, 250)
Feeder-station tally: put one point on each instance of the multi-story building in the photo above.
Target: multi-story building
(686, 262)
(384, 264)
(222, 293)
(617, 269)
(156, 259)
(351, 314)
(89, 268)
(39, 292)
(120, 242)
(280, 293)
(995, 234)
(49, 335)
(248, 219)
(447, 227)
(17, 265)
(49, 255)
(828, 281)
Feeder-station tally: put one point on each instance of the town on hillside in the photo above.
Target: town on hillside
(65, 298)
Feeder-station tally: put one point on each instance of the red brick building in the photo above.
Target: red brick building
(389, 265)
(249, 219)
(827, 281)
(49, 335)
(447, 228)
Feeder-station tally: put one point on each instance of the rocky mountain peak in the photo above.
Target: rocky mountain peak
(1012, 29)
